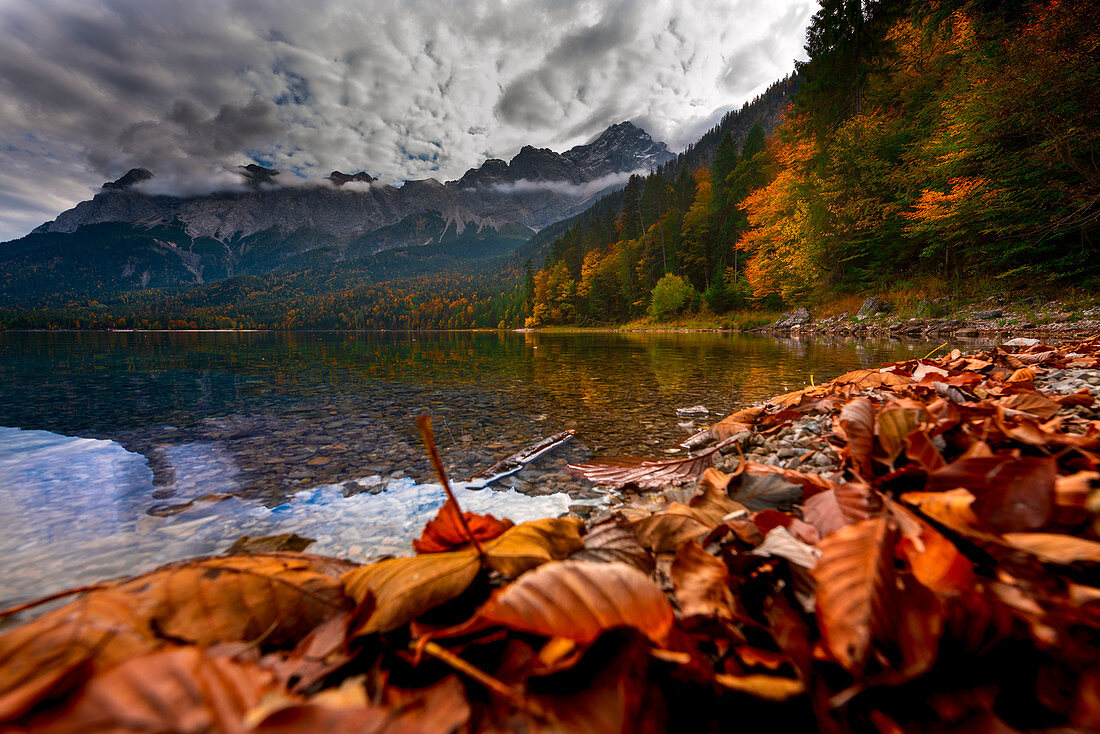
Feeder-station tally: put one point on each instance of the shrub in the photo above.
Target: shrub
(670, 296)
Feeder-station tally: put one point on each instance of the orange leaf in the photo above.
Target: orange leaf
(702, 583)
(444, 532)
(952, 508)
(580, 601)
(856, 596)
(857, 419)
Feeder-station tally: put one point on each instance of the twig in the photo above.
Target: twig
(493, 684)
(424, 423)
(934, 351)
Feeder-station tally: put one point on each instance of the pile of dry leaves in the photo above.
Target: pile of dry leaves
(947, 582)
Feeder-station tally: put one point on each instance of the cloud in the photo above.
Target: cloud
(403, 89)
(566, 188)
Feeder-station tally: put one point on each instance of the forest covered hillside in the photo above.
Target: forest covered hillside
(944, 140)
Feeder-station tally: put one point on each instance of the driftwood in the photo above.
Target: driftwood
(518, 460)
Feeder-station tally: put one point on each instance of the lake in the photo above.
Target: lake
(120, 451)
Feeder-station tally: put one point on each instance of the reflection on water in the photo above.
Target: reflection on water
(287, 410)
(268, 416)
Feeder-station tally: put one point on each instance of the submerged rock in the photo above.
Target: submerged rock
(270, 544)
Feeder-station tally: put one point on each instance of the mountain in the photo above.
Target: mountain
(127, 238)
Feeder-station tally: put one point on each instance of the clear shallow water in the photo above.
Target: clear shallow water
(288, 424)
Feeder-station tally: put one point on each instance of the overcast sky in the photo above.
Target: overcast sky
(402, 89)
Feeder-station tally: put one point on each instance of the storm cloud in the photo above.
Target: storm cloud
(403, 89)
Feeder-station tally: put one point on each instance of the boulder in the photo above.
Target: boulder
(993, 314)
(873, 306)
(798, 317)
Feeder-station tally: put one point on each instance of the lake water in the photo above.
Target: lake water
(106, 437)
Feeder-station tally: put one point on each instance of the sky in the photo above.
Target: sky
(403, 89)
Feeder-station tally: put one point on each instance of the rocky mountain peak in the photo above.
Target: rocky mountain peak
(131, 177)
(256, 175)
(339, 178)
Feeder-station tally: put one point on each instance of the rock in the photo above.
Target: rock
(798, 317)
(872, 306)
(582, 511)
(993, 314)
(1021, 342)
(968, 332)
(270, 544)
(694, 410)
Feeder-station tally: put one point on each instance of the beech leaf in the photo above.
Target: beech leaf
(857, 419)
(402, 589)
(614, 540)
(445, 532)
(856, 597)
(702, 583)
(766, 492)
(174, 690)
(580, 601)
(1011, 494)
(1056, 547)
(533, 543)
(667, 531)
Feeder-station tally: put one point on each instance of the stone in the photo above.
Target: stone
(995, 313)
(798, 317)
(872, 306)
(968, 332)
(270, 544)
(1022, 341)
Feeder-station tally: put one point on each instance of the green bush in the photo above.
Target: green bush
(671, 296)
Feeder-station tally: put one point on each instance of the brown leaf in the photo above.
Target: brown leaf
(1012, 494)
(404, 588)
(173, 690)
(702, 583)
(276, 597)
(738, 422)
(823, 512)
(856, 597)
(857, 419)
(758, 492)
(952, 508)
(1056, 547)
(441, 708)
(767, 687)
(614, 540)
(858, 501)
(445, 532)
(919, 448)
(810, 483)
(644, 473)
(894, 426)
(580, 601)
(57, 651)
(934, 560)
(1031, 403)
(667, 531)
(533, 543)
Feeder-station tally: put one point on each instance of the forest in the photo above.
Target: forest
(929, 139)
(920, 142)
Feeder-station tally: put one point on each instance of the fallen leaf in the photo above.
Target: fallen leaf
(1056, 547)
(823, 512)
(1031, 403)
(580, 601)
(735, 423)
(767, 687)
(953, 508)
(530, 544)
(702, 583)
(667, 531)
(810, 483)
(857, 420)
(856, 596)
(276, 598)
(920, 448)
(645, 473)
(933, 559)
(779, 543)
(894, 426)
(174, 690)
(758, 492)
(445, 531)
(402, 589)
(857, 500)
(614, 540)
(1011, 494)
